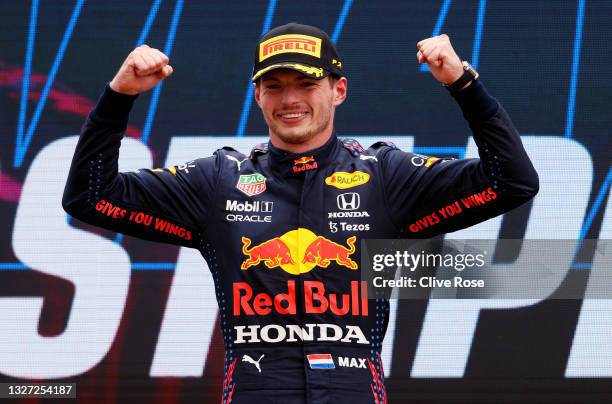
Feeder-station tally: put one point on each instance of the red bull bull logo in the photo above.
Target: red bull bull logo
(304, 160)
(323, 251)
(304, 163)
(273, 253)
(299, 251)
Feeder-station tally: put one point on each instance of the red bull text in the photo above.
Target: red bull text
(316, 300)
(304, 163)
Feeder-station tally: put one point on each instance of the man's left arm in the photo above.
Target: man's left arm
(429, 196)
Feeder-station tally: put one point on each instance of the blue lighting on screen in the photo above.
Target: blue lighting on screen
(601, 195)
(248, 98)
(438, 27)
(146, 132)
(27, 71)
(22, 144)
(341, 19)
(571, 102)
(148, 23)
(482, 6)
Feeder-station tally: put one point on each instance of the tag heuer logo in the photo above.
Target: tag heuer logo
(251, 184)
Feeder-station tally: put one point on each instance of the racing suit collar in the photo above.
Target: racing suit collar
(298, 164)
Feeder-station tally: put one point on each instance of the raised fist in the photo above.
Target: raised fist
(141, 71)
(438, 53)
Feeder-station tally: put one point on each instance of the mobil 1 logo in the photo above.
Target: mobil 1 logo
(249, 211)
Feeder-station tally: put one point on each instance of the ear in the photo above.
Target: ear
(257, 95)
(340, 89)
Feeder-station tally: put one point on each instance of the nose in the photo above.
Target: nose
(289, 96)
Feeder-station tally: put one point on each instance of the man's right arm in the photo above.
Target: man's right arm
(169, 205)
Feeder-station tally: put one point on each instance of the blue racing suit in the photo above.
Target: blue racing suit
(281, 234)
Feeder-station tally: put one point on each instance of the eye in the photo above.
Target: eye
(272, 86)
(308, 84)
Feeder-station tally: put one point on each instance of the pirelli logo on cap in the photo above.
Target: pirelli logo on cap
(291, 43)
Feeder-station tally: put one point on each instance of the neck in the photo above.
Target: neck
(311, 144)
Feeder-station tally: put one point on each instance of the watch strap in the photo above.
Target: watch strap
(469, 74)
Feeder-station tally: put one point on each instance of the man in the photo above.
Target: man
(280, 229)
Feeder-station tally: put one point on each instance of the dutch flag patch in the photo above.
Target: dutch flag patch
(320, 361)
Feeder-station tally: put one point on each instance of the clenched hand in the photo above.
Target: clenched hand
(438, 53)
(142, 70)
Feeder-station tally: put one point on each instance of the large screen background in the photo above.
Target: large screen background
(126, 318)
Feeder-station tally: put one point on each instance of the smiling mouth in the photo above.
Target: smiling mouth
(292, 117)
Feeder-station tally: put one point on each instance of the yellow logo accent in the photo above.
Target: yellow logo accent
(315, 71)
(337, 63)
(344, 180)
(161, 170)
(431, 161)
(291, 43)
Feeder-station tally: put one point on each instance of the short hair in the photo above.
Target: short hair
(333, 78)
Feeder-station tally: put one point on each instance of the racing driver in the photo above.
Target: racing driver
(280, 228)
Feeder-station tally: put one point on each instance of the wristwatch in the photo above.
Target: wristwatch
(469, 74)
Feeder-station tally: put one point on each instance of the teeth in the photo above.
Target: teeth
(290, 116)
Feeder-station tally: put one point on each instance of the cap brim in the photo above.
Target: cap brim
(307, 70)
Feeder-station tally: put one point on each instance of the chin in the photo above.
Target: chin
(292, 135)
(294, 138)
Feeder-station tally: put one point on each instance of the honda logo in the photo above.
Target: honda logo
(348, 201)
